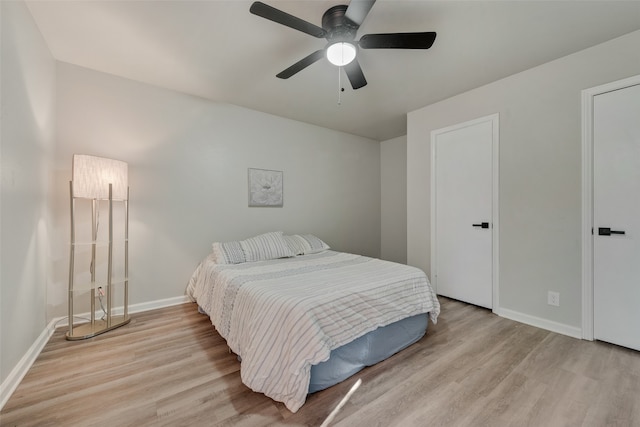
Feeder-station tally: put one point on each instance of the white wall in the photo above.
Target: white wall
(540, 173)
(393, 214)
(26, 145)
(188, 160)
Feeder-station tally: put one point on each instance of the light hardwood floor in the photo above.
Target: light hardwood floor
(169, 367)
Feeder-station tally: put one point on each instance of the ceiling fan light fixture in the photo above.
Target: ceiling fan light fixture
(341, 53)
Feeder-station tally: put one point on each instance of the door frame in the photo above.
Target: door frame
(494, 119)
(588, 96)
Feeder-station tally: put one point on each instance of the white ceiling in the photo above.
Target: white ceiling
(218, 50)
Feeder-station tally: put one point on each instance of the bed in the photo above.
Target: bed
(303, 322)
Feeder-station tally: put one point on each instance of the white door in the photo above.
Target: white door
(462, 263)
(616, 217)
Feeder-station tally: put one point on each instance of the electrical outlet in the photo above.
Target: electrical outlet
(553, 298)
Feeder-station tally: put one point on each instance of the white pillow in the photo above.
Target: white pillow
(296, 243)
(228, 253)
(305, 244)
(266, 246)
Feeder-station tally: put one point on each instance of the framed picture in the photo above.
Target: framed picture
(265, 188)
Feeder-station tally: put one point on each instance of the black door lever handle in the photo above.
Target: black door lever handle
(483, 225)
(605, 231)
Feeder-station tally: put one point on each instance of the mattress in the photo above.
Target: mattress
(283, 316)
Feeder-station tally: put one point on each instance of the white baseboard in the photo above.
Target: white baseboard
(16, 375)
(539, 322)
(144, 306)
(135, 308)
(10, 384)
(161, 303)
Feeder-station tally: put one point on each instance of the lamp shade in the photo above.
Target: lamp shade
(92, 176)
(341, 53)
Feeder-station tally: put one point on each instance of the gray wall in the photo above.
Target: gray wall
(188, 160)
(393, 213)
(27, 141)
(540, 173)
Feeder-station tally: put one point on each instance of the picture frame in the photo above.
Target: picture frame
(265, 188)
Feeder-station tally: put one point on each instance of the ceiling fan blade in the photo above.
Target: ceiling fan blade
(301, 65)
(276, 15)
(355, 74)
(398, 41)
(358, 10)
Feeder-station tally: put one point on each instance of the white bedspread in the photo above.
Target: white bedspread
(282, 316)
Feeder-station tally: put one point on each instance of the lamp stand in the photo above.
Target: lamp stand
(104, 288)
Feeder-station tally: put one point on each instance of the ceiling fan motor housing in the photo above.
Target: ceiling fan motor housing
(338, 27)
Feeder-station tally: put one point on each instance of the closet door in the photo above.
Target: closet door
(616, 217)
(462, 262)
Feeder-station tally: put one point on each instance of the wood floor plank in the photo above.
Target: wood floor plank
(170, 367)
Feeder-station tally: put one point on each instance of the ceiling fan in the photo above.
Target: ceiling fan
(339, 26)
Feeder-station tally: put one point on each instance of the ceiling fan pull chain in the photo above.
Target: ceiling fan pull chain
(339, 85)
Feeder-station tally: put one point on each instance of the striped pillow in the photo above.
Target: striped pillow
(228, 253)
(305, 244)
(296, 244)
(266, 246)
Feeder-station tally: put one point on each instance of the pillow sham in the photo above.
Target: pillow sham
(266, 246)
(305, 244)
(296, 243)
(228, 253)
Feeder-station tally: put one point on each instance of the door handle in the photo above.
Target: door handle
(604, 231)
(486, 225)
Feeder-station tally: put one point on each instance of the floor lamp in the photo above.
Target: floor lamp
(98, 179)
